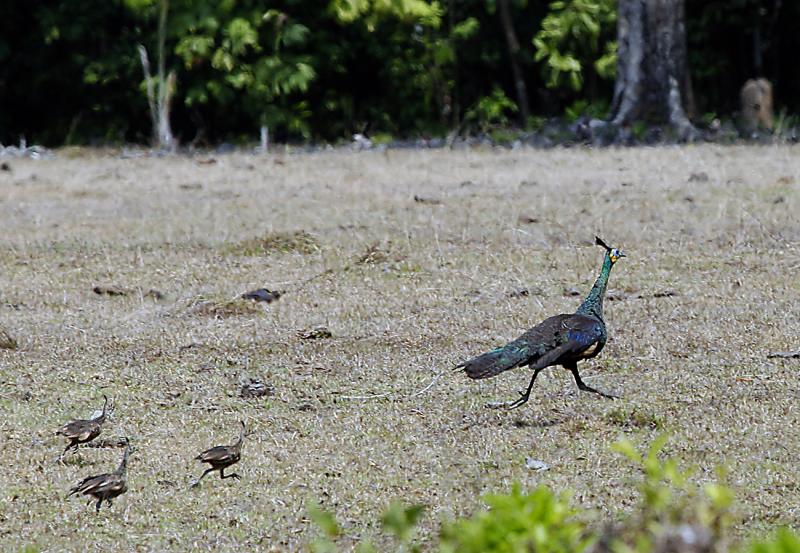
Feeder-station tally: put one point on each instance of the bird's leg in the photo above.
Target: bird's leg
(523, 399)
(201, 477)
(99, 502)
(61, 457)
(585, 387)
(234, 475)
(108, 502)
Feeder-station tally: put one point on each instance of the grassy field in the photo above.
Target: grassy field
(414, 261)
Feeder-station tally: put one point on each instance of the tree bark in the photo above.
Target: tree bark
(652, 83)
(512, 44)
(166, 84)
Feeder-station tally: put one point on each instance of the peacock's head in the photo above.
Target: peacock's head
(613, 253)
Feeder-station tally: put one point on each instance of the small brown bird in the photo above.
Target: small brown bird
(221, 457)
(82, 431)
(105, 487)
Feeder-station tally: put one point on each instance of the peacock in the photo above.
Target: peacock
(222, 457)
(105, 487)
(82, 431)
(559, 340)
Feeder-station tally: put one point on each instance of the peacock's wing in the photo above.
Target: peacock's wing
(112, 485)
(578, 337)
(525, 350)
(88, 484)
(218, 454)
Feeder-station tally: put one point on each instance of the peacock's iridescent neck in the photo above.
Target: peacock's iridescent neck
(593, 304)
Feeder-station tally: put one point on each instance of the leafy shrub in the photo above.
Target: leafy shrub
(539, 521)
(673, 515)
(491, 111)
(784, 541)
(576, 34)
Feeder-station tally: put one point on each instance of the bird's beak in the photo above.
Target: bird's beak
(622, 253)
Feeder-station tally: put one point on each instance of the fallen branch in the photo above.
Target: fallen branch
(409, 396)
(784, 354)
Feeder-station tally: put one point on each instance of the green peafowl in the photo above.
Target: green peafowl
(82, 431)
(222, 457)
(105, 487)
(560, 340)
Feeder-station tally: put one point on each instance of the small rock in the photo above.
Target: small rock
(316, 333)
(535, 464)
(571, 292)
(524, 292)
(7, 341)
(665, 294)
(429, 201)
(698, 177)
(373, 254)
(361, 142)
(527, 220)
(255, 387)
(262, 294)
(154, 294)
(110, 291)
(5, 166)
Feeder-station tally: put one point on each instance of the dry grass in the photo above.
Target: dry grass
(407, 289)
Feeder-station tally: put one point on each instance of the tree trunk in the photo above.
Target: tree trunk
(652, 83)
(512, 44)
(166, 84)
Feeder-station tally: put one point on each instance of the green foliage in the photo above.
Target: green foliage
(254, 56)
(371, 11)
(570, 41)
(401, 521)
(324, 69)
(670, 499)
(785, 124)
(784, 541)
(539, 521)
(397, 520)
(326, 522)
(579, 108)
(491, 111)
(544, 522)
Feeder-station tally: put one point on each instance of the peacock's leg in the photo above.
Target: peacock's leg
(201, 477)
(573, 368)
(523, 396)
(61, 457)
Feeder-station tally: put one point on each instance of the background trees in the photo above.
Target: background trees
(324, 69)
